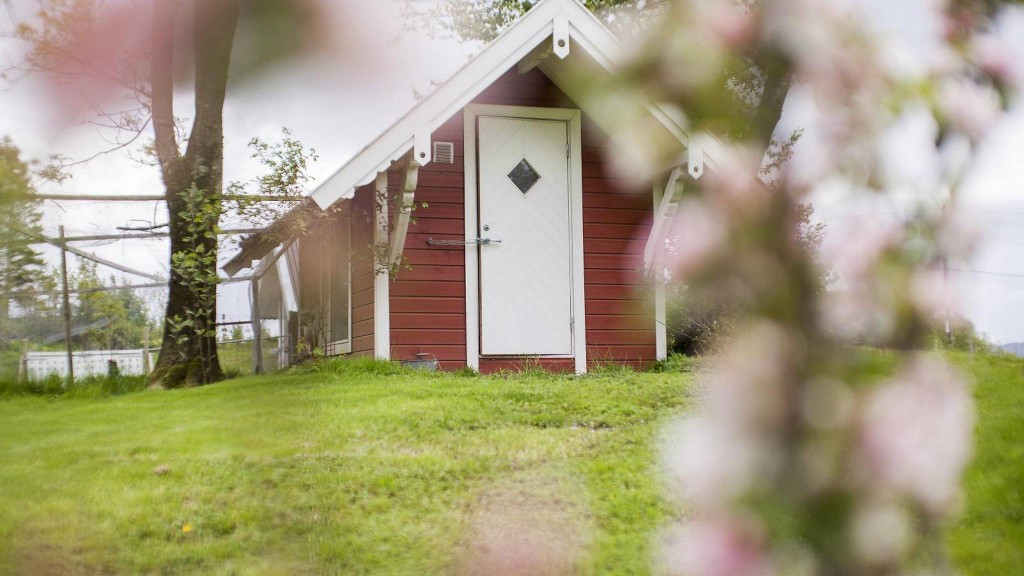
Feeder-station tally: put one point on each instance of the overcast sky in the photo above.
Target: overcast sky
(338, 105)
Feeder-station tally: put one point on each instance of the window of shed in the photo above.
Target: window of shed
(339, 283)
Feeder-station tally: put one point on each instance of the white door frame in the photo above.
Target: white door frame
(573, 118)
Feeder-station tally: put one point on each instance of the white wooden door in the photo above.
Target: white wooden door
(526, 279)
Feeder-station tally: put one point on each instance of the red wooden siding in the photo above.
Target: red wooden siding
(428, 301)
(362, 271)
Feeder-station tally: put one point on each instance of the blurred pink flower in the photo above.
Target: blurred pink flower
(997, 56)
(916, 433)
(731, 27)
(881, 532)
(959, 234)
(704, 233)
(931, 293)
(710, 463)
(969, 106)
(715, 546)
(861, 247)
(730, 446)
(827, 404)
(855, 313)
(734, 187)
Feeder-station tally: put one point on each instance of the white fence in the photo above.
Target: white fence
(90, 363)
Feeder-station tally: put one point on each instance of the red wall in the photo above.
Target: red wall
(428, 301)
(363, 267)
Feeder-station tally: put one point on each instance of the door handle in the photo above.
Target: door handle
(478, 241)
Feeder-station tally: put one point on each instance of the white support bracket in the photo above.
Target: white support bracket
(421, 148)
(401, 227)
(663, 216)
(695, 156)
(560, 36)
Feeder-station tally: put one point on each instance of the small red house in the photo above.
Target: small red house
(485, 228)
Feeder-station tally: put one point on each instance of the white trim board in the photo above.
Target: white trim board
(573, 117)
(381, 277)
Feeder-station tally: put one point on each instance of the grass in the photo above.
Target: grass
(989, 536)
(346, 468)
(366, 468)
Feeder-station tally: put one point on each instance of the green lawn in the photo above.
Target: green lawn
(989, 536)
(362, 470)
(347, 473)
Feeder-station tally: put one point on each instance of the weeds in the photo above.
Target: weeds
(88, 387)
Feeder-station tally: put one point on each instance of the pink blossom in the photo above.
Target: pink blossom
(733, 185)
(931, 293)
(711, 463)
(916, 434)
(704, 233)
(855, 312)
(729, 448)
(856, 254)
(993, 56)
(959, 234)
(880, 533)
(747, 384)
(827, 404)
(730, 27)
(969, 106)
(716, 546)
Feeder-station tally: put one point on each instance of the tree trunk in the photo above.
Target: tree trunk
(192, 360)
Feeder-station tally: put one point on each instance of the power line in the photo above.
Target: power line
(1010, 274)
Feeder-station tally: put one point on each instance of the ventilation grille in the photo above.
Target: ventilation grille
(444, 152)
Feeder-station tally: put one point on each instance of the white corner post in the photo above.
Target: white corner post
(660, 326)
(257, 327)
(664, 211)
(381, 279)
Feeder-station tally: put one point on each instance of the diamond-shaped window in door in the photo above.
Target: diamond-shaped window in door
(523, 176)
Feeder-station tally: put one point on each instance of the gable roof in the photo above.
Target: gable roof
(561, 22)
(559, 37)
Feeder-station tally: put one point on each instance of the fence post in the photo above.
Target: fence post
(67, 308)
(23, 362)
(257, 328)
(145, 349)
